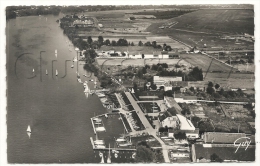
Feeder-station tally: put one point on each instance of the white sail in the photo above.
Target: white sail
(95, 82)
(56, 72)
(109, 157)
(102, 159)
(33, 70)
(28, 129)
(46, 72)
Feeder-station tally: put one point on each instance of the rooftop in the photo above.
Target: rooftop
(173, 104)
(225, 138)
(185, 124)
(185, 97)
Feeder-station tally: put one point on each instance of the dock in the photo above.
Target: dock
(123, 123)
(93, 126)
(122, 149)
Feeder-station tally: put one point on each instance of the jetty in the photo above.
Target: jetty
(119, 149)
(93, 126)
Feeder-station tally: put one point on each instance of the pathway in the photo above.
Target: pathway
(148, 128)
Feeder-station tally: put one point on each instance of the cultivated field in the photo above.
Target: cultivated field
(207, 27)
(217, 21)
(203, 61)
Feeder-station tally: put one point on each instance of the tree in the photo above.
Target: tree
(140, 73)
(195, 121)
(210, 90)
(135, 87)
(217, 86)
(113, 43)
(205, 127)
(215, 158)
(132, 44)
(210, 84)
(197, 74)
(168, 93)
(180, 136)
(140, 43)
(144, 155)
(144, 70)
(154, 44)
(160, 68)
(107, 42)
(89, 40)
(153, 86)
(168, 48)
(100, 40)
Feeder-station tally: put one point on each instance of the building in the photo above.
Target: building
(203, 153)
(181, 98)
(171, 103)
(226, 138)
(165, 81)
(168, 119)
(83, 23)
(177, 154)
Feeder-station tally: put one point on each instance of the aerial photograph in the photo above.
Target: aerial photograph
(171, 83)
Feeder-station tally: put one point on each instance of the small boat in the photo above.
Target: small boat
(56, 51)
(115, 151)
(120, 139)
(96, 119)
(98, 123)
(116, 155)
(100, 146)
(102, 158)
(106, 116)
(46, 72)
(72, 66)
(123, 145)
(29, 132)
(100, 129)
(133, 155)
(33, 70)
(99, 143)
(91, 80)
(56, 72)
(95, 82)
(100, 94)
(79, 80)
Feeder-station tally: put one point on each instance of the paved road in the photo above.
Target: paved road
(148, 126)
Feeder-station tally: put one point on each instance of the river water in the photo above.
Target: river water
(56, 108)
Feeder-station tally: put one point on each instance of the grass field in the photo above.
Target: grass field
(207, 26)
(217, 21)
(203, 61)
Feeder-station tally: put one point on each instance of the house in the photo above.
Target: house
(83, 23)
(161, 81)
(177, 153)
(181, 98)
(168, 119)
(203, 153)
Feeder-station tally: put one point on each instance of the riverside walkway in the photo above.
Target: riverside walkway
(148, 128)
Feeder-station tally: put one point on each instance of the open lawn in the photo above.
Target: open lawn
(203, 61)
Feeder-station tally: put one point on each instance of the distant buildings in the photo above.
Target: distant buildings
(83, 23)
(181, 98)
(165, 81)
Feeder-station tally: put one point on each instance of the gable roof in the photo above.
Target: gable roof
(219, 137)
(164, 116)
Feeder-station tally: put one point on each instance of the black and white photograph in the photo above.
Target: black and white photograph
(129, 82)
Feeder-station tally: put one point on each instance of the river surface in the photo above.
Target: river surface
(56, 108)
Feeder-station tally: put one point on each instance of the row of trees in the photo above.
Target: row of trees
(155, 45)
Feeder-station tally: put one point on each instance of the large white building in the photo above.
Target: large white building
(165, 81)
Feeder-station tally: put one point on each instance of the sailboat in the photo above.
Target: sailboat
(29, 132)
(46, 72)
(109, 157)
(56, 72)
(95, 82)
(102, 157)
(33, 70)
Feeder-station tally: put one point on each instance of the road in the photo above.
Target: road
(149, 129)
